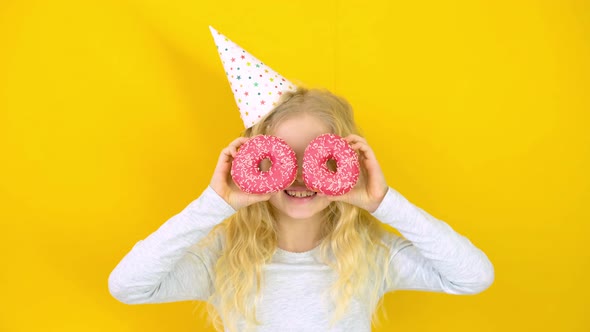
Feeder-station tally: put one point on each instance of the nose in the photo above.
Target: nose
(299, 177)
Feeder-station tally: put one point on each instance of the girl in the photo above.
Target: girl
(279, 262)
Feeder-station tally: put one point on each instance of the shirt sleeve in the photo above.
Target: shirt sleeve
(430, 256)
(166, 266)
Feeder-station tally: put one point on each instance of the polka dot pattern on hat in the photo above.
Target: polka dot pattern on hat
(256, 87)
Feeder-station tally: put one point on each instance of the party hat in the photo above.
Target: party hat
(256, 87)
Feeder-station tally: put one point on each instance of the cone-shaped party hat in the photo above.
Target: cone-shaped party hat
(256, 87)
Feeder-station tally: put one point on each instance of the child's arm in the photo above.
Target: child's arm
(168, 265)
(432, 257)
(163, 267)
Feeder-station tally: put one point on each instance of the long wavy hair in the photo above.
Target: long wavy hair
(352, 241)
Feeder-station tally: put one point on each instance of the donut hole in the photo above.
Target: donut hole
(264, 165)
(331, 164)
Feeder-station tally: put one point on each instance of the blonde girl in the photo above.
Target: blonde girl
(297, 260)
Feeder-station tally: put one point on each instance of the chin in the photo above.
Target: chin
(300, 214)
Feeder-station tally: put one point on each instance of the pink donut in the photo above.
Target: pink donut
(245, 169)
(316, 174)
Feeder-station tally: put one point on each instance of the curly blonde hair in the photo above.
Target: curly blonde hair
(352, 239)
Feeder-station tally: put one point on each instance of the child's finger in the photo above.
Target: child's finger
(235, 144)
(353, 139)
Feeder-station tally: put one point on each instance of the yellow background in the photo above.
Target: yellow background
(113, 113)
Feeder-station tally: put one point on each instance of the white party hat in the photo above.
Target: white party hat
(256, 87)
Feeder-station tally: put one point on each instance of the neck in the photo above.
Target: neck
(298, 235)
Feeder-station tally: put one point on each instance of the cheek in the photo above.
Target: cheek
(323, 202)
(274, 200)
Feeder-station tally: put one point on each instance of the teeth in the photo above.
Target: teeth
(306, 193)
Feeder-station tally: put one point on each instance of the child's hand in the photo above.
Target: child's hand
(223, 184)
(371, 188)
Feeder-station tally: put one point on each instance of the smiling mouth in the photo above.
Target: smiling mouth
(300, 194)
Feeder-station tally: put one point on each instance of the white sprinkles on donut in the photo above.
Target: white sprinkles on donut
(316, 174)
(245, 170)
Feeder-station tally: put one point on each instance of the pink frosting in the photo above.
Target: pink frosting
(245, 167)
(316, 174)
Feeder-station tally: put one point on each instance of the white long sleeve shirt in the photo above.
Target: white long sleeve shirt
(166, 266)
